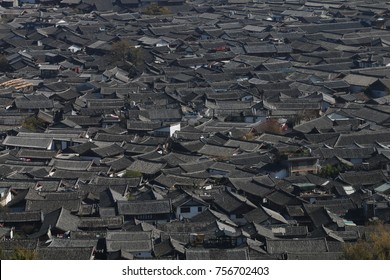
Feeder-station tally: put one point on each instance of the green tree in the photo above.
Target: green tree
(34, 124)
(376, 245)
(23, 254)
(332, 171)
(132, 173)
(127, 56)
(121, 51)
(154, 9)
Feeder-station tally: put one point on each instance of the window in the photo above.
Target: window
(199, 209)
(185, 209)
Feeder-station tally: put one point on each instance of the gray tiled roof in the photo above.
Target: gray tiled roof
(65, 253)
(37, 143)
(219, 70)
(214, 254)
(135, 208)
(20, 217)
(132, 242)
(307, 245)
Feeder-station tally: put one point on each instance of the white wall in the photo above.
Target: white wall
(6, 197)
(280, 174)
(193, 212)
(174, 128)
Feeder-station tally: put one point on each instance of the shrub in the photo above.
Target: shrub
(24, 254)
(376, 246)
(132, 173)
(332, 171)
(127, 56)
(34, 124)
(154, 9)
